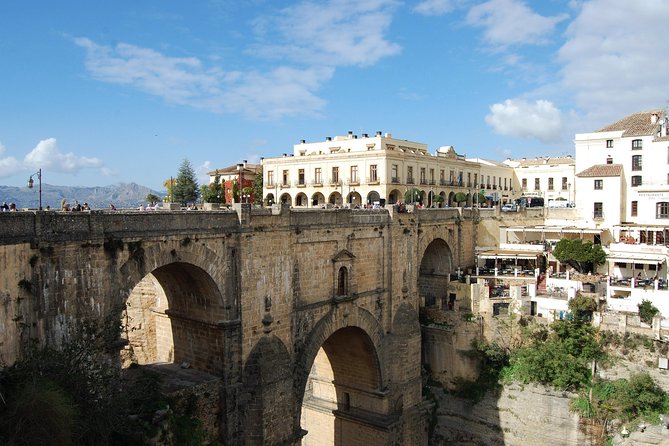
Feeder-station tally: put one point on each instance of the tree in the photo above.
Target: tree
(412, 195)
(647, 311)
(257, 189)
(185, 190)
(581, 255)
(152, 198)
(582, 307)
(213, 192)
(460, 197)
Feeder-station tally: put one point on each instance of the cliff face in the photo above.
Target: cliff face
(518, 415)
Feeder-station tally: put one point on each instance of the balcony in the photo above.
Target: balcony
(410, 180)
(353, 182)
(316, 183)
(598, 215)
(423, 181)
(443, 182)
(334, 182)
(270, 185)
(373, 180)
(284, 185)
(432, 182)
(395, 180)
(300, 183)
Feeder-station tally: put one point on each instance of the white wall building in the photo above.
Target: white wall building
(359, 171)
(551, 178)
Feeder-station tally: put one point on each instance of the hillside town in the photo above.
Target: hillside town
(614, 192)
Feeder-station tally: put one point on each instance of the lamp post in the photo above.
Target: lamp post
(568, 194)
(30, 185)
(241, 185)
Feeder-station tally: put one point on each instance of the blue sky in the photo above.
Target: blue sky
(98, 93)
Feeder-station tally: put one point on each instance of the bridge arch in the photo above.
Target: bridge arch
(340, 380)
(436, 266)
(171, 304)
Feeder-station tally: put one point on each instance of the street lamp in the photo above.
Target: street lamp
(569, 194)
(30, 185)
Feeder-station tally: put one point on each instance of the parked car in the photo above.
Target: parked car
(509, 207)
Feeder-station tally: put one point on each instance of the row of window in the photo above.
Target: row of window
(661, 209)
(373, 177)
(637, 144)
(537, 183)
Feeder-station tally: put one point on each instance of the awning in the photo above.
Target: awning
(628, 257)
(508, 254)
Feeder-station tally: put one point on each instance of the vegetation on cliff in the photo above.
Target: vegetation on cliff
(564, 356)
(77, 395)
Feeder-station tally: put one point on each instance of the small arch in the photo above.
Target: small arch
(373, 197)
(301, 200)
(335, 199)
(286, 199)
(317, 199)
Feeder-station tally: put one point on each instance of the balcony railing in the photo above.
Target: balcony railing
(300, 183)
(443, 183)
(410, 180)
(334, 182)
(423, 181)
(395, 180)
(353, 182)
(598, 215)
(316, 183)
(269, 185)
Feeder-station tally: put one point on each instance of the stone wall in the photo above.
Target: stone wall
(519, 415)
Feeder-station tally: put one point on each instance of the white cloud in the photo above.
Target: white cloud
(335, 33)
(8, 164)
(613, 58)
(519, 118)
(47, 156)
(282, 91)
(511, 22)
(434, 7)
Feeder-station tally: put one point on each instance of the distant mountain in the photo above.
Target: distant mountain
(123, 195)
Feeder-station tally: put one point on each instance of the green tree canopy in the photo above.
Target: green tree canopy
(460, 197)
(257, 189)
(581, 255)
(647, 311)
(412, 195)
(582, 307)
(186, 189)
(213, 192)
(152, 198)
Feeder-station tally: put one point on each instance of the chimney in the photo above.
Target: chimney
(379, 133)
(350, 134)
(302, 141)
(328, 138)
(365, 135)
(653, 118)
(388, 135)
(285, 155)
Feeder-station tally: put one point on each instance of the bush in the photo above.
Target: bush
(647, 311)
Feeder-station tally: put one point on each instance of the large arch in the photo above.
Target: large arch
(435, 268)
(340, 381)
(170, 305)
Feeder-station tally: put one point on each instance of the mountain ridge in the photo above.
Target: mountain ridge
(97, 197)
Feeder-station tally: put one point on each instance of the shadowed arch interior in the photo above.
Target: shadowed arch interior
(435, 269)
(344, 379)
(170, 317)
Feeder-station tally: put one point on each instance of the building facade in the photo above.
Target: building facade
(551, 178)
(237, 181)
(375, 170)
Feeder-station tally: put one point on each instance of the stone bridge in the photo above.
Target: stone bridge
(309, 318)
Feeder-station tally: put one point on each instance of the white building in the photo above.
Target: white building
(623, 184)
(368, 170)
(551, 178)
